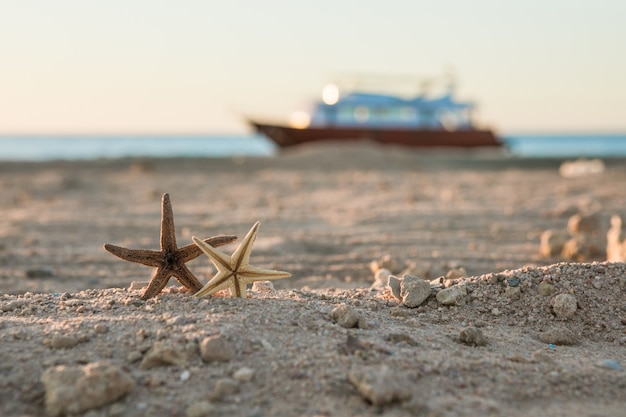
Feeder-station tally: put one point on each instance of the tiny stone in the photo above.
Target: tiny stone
(513, 282)
(12, 305)
(75, 389)
(382, 276)
(472, 336)
(545, 289)
(394, 284)
(134, 356)
(559, 336)
(161, 354)
(244, 374)
(263, 286)
(564, 305)
(224, 387)
(414, 291)
(185, 375)
(61, 342)
(138, 285)
(453, 295)
(380, 385)
(345, 316)
(100, 328)
(216, 348)
(455, 273)
(201, 409)
(513, 293)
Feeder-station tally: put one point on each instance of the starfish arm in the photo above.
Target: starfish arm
(238, 289)
(184, 276)
(157, 283)
(242, 254)
(168, 233)
(192, 251)
(221, 261)
(252, 274)
(219, 282)
(140, 256)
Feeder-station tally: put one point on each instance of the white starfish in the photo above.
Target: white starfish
(235, 272)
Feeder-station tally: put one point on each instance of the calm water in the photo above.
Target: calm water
(41, 148)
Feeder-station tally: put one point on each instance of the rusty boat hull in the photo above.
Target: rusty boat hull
(285, 136)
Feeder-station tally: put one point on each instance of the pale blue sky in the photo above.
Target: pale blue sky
(185, 66)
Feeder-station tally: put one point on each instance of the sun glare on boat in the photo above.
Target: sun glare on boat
(330, 94)
(300, 120)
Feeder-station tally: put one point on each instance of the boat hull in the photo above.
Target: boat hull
(285, 136)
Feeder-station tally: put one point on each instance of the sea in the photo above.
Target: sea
(49, 148)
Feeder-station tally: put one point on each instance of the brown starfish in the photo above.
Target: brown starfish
(170, 260)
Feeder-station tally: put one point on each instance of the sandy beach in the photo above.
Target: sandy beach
(331, 216)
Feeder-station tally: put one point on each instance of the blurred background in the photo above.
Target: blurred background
(199, 68)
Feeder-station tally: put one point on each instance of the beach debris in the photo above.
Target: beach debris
(163, 354)
(559, 336)
(216, 348)
(380, 385)
(453, 295)
(345, 316)
(170, 260)
(616, 241)
(564, 305)
(75, 389)
(413, 290)
(235, 272)
(581, 167)
(472, 336)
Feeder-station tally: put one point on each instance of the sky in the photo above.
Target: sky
(202, 67)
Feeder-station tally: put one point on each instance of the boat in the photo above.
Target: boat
(421, 120)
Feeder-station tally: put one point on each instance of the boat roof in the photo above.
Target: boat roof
(375, 99)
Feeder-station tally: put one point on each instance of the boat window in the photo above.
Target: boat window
(361, 113)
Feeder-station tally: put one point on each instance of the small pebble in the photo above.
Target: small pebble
(100, 328)
(453, 295)
(224, 387)
(564, 305)
(263, 286)
(472, 336)
(75, 389)
(393, 283)
(61, 342)
(184, 375)
(345, 316)
(244, 374)
(513, 282)
(545, 289)
(559, 336)
(216, 349)
(162, 354)
(202, 409)
(414, 291)
(380, 385)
